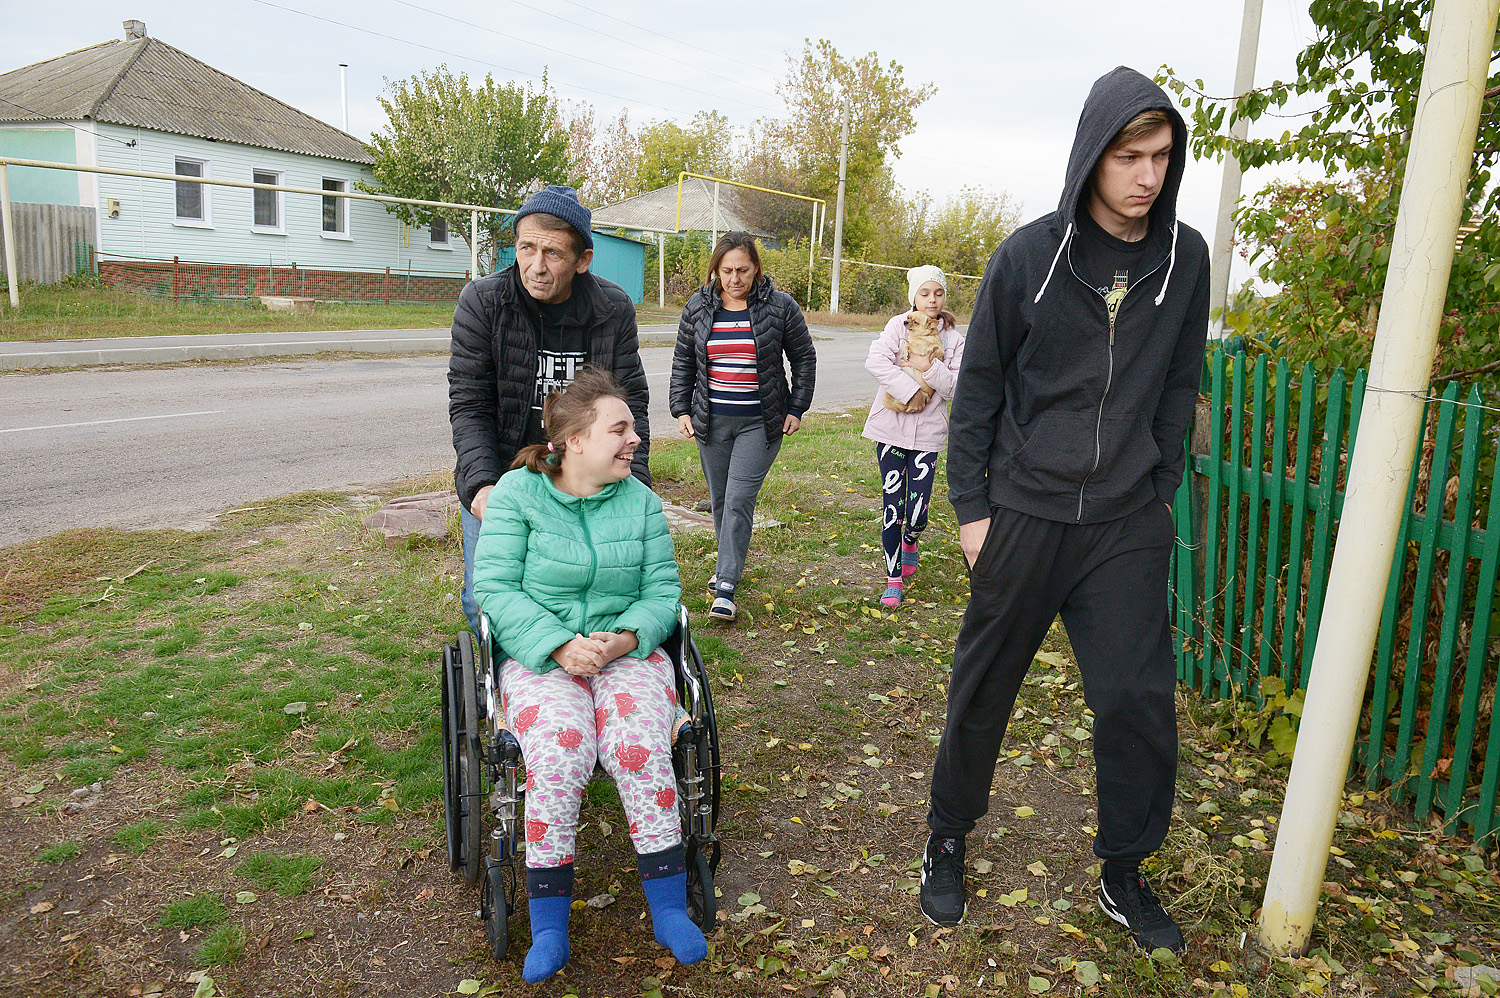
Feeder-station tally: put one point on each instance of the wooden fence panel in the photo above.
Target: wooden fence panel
(1267, 539)
(46, 239)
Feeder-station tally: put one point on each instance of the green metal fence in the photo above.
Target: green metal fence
(1256, 521)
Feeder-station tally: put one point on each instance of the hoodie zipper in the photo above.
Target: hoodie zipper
(1109, 377)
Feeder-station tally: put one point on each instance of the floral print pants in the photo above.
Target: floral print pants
(621, 718)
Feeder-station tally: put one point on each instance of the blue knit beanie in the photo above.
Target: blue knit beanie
(562, 202)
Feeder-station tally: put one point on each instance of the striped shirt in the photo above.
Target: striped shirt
(733, 387)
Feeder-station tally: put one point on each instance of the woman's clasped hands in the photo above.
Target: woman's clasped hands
(587, 655)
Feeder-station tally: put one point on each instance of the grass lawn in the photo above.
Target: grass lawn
(221, 751)
(58, 313)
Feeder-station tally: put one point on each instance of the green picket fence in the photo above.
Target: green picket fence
(1256, 522)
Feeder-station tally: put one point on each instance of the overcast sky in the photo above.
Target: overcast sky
(1010, 76)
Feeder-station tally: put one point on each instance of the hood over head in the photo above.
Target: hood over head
(1115, 98)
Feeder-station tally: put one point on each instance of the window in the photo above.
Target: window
(267, 204)
(192, 199)
(438, 237)
(335, 210)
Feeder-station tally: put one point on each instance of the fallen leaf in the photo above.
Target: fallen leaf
(1024, 811)
(245, 897)
(468, 987)
(1037, 869)
(600, 901)
(42, 907)
(299, 707)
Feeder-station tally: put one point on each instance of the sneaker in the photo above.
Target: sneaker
(908, 559)
(892, 595)
(1133, 904)
(723, 609)
(943, 898)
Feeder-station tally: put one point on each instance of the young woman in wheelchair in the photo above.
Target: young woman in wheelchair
(576, 573)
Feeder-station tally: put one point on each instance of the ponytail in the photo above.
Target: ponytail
(566, 412)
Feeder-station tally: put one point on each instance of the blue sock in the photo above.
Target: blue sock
(549, 900)
(664, 879)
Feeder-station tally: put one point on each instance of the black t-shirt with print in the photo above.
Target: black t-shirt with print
(561, 348)
(1109, 264)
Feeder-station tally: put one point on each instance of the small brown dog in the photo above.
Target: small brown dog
(924, 338)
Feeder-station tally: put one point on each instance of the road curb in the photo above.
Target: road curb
(73, 354)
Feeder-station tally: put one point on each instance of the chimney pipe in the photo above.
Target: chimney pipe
(344, 91)
(134, 30)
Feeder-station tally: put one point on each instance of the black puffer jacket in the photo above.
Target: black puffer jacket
(492, 371)
(781, 336)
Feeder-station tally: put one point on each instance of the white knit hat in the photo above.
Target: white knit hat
(918, 276)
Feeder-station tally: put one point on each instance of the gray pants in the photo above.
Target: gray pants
(735, 459)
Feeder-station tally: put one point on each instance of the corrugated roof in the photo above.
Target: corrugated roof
(147, 83)
(657, 210)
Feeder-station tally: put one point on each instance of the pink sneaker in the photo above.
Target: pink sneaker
(892, 595)
(908, 559)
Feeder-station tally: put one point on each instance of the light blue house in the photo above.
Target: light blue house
(140, 104)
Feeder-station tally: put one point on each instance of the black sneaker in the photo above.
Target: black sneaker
(943, 898)
(1133, 904)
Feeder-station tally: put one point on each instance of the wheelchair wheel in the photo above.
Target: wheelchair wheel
(469, 765)
(452, 801)
(713, 742)
(702, 907)
(497, 908)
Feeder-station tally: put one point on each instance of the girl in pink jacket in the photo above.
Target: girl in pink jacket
(907, 443)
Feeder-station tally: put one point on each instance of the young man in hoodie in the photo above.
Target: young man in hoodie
(1078, 382)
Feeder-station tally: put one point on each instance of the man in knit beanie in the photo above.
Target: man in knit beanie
(521, 334)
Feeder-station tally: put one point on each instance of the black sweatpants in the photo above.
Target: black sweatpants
(1109, 583)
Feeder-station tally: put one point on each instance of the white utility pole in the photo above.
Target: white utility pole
(473, 245)
(1437, 169)
(715, 223)
(1229, 188)
(838, 215)
(344, 91)
(661, 270)
(8, 230)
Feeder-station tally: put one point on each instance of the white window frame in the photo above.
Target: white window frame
(279, 179)
(447, 242)
(343, 207)
(206, 170)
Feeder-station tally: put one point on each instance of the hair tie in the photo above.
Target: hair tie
(550, 448)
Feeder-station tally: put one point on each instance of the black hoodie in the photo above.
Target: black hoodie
(1051, 416)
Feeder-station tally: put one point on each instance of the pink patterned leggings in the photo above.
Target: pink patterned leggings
(623, 719)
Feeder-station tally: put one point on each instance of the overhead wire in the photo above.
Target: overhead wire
(582, 58)
(458, 55)
(49, 117)
(717, 54)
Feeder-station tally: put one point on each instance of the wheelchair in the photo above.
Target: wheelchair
(481, 758)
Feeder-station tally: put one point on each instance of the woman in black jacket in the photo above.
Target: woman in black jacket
(729, 391)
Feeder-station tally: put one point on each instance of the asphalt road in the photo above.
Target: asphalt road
(174, 446)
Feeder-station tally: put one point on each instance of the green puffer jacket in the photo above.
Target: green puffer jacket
(550, 566)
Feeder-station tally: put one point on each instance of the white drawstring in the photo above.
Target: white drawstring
(1171, 262)
(1055, 258)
